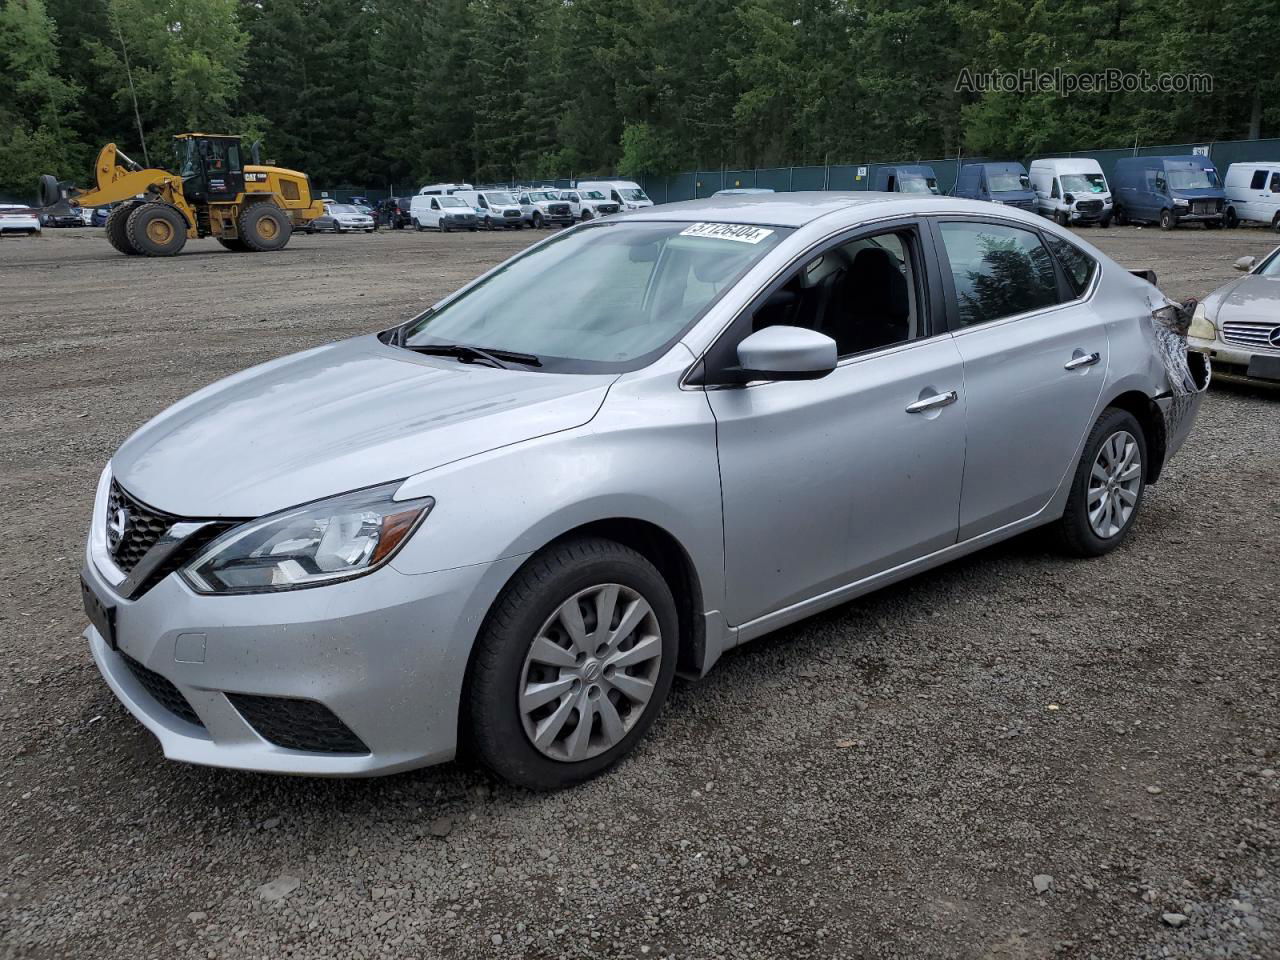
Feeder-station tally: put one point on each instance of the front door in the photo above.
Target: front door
(1035, 357)
(825, 482)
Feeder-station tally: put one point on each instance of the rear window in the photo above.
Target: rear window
(1075, 263)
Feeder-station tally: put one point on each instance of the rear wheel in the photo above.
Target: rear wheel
(1167, 221)
(264, 227)
(1106, 492)
(156, 230)
(572, 665)
(117, 228)
(1275, 224)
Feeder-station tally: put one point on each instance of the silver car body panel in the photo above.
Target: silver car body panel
(783, 503)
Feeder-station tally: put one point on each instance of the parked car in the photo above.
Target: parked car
(915, 178)
(544, 208)
(100, 214)
(496, 209)
(1238, 325)
(1071, 190)
(1003, 183)
(627, 194)
(1168, 191)
(396, 212)
(588, 204)
(741, 191)
(69, 217)
(341, 218)
(442, 212)
(15, 218)
(1253, 193)
(516, 516)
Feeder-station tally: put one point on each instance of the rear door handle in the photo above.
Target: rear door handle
(1082, 360)
(933, 402)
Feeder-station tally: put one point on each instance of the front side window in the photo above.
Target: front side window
(593, 194)
(1075, 263)
(1055, 194)
(601, 299)
(998, 271)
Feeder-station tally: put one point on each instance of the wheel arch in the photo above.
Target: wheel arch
(1149, 417)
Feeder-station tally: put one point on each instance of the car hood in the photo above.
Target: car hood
(1247, 298)
(341, 417)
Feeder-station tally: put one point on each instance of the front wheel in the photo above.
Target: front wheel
(572, 664)
(156, 230)
(1106, 492)
(537, 220)
(1104, 222)
(1232, 220)
(586, 215)
(1167, 221)
(1121, 219)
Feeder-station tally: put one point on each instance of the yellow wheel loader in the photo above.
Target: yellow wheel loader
(245, 207)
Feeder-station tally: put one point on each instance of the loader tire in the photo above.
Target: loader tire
(117, 228)
(264, 227)
(234, 244)
(156, 230)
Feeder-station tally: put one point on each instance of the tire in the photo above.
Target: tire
(417, 225)
(499, 732)
(472, 229)
(1061, 218)
(1167, 219)
(1119, 214)
(1231, 219)
(117, 228)
(235, 245)
(538, 222)
(156, 230)
(264, 228)
(442, 226)
(586, 214)
(1275, 224)
(1104, 222)
(1076, 533)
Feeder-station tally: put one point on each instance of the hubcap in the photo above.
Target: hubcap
(1114, 484)
(267, 227)
(590, 672)
(160, 231)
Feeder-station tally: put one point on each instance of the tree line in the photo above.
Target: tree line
(381, 92)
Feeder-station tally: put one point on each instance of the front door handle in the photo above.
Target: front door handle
(933, 402)
(1082, 360)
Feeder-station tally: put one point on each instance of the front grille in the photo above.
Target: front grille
(1253, 334)
(511, 214)
(1206, 206)
(297, 724)
(162, 691)
(558, 209)
(143, 526)
(608, 208)
(1089, 206)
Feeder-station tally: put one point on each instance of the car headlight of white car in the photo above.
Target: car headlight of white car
(1202, 327)
(317, 543)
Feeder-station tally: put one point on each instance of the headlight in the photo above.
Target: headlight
(1000, 202)
(1201, 326)
(1181, 203)
(317, 543)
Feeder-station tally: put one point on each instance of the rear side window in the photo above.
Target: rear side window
(1075, 263)
(998, 271)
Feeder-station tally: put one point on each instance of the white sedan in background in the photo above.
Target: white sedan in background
(1238, 325)
(18, 219)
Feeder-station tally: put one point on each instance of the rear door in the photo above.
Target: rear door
(1035, 356)
(826, 482)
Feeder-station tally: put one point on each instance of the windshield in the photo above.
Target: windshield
(593, 194)
(1008, 182)
(535, 197)
(918, 185)
(497, 198)
(1192, 179)
(1271, 265)
(603, 298)
(452, 202)
(1083, 183)
(633, 195)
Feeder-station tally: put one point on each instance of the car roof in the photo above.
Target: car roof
(781, 209)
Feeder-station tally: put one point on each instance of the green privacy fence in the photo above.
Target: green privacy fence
(855, 176)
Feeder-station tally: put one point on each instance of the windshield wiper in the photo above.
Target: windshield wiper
(469, 354)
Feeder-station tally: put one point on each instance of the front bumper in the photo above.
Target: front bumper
(385, 654)
(1231, 361)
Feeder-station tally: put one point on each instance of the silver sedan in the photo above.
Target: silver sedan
(1238, 325)
(513, 519)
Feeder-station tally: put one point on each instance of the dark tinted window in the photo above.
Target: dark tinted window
(1259, 180)
(998, 271)
(1075, 263)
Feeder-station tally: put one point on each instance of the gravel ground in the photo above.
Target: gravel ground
(1016, 756)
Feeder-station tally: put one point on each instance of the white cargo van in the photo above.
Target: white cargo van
(627, 194)
(1253, 193)
(496, 209)
(443, 212)
(1071, 190)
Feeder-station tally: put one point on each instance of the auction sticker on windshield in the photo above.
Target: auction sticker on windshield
(743, 233)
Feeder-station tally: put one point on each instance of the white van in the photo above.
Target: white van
(443, 212)
(627, 194)
(1253, 193)
(1071, 190)
(496, 209)
(443, 189)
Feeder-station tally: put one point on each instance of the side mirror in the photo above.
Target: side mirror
(1246, 263)
(785, 353)
(1069, 198)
